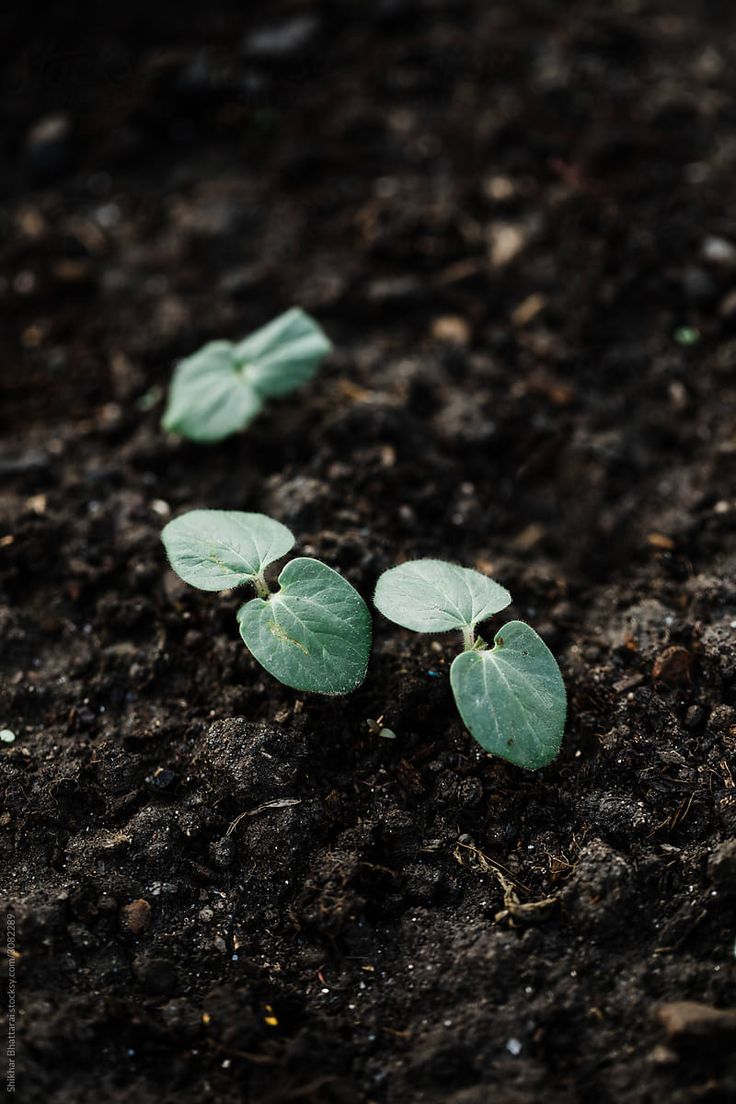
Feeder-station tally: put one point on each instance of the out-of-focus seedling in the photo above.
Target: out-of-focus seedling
(221, 388)
(510, 696)
(312, 633)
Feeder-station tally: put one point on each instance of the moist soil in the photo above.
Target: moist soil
(516, 221)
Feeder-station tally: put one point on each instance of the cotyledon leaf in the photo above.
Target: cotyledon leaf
(282, 355)
(436, 596)
(312, 634)
(219, 549)
(210, 397)
(512, 697)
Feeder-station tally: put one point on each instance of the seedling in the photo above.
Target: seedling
(222, 387)
(312, 633)
(510, 696)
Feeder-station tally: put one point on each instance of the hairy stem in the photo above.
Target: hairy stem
(468, 638)
(261, 587)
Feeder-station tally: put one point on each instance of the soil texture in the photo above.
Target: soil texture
(517, 223)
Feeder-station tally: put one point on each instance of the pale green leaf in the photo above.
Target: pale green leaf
(512, 697)
(436, 596)
(209, 397)
(282, 355)
(312, 634)
(219, 549)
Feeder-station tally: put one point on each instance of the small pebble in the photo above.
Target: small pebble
(451, 328)
(48, 144)
(282, 40)
(136, 916)
(692, 1020)
(674, 664)
(694, 716)
(719, 251)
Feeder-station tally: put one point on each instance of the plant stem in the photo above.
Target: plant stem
(468, 638)
(261, 587)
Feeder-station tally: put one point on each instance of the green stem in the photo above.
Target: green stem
(468, 638)
(261, 587)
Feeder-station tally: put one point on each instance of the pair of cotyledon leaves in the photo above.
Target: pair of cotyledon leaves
(222, 387)
(511, 697)
(314, 632)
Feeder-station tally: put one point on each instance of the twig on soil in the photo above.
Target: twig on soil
(679, 815)
(278, 803)
(514, 910)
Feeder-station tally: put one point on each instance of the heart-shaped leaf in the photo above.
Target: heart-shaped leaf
(210, 397)
(512, 697)
(282, 355)
(436, 596)
(219, 549)
(220, 389)
(312, 634)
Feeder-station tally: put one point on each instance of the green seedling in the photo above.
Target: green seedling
(312, 633)
(221, 388)
(510, 696)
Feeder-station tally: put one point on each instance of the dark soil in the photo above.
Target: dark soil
(517, 222)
